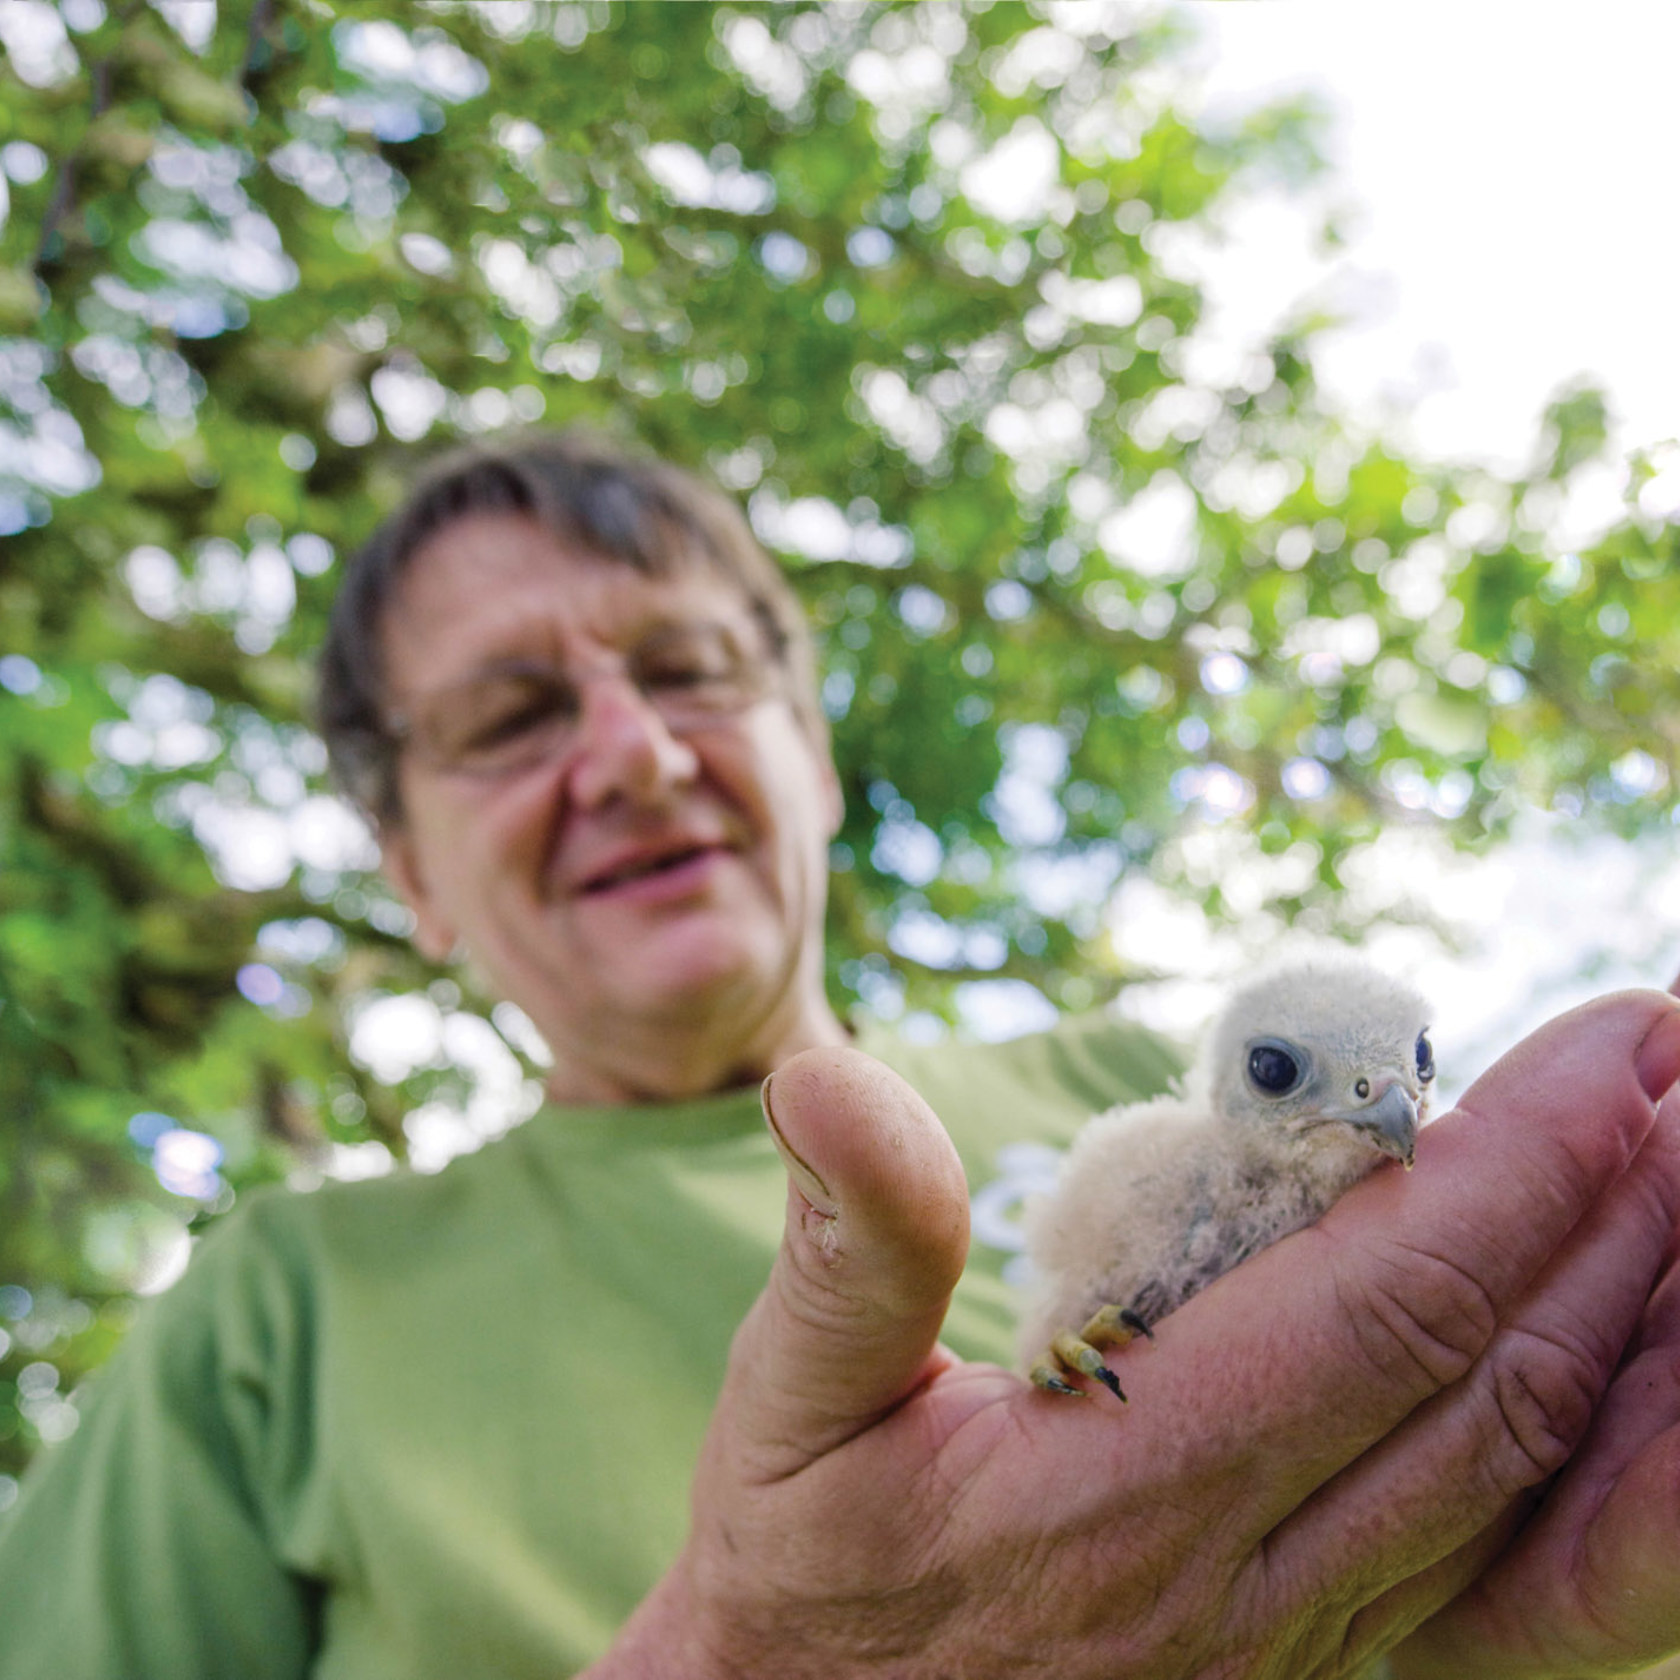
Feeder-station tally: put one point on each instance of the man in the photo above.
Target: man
(445, 1426)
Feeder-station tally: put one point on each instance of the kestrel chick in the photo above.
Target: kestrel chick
(1316, 1069)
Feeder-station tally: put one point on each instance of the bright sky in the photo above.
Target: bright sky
(1507, 173)
(1513, 174)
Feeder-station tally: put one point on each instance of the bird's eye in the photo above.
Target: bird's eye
(1273, 1070)
(1425, 1057)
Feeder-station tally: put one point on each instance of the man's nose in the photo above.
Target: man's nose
(623, 746)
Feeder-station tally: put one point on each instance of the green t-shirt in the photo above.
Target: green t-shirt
(428, 1427)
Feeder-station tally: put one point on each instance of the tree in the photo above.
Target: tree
(918, 283)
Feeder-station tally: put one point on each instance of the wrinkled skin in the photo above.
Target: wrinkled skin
(1452, 1406)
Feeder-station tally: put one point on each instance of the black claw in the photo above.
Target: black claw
(1134, 1321)
(1111, 1382)
(1055, 1385)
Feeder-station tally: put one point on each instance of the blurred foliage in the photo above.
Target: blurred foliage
(1097, 593)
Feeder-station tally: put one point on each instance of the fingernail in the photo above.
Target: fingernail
(1658, 1063)
(805, 1180)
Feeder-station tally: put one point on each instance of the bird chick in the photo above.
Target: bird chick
(1316, 1069)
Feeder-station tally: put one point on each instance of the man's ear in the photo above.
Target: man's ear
(434, 933)
(833, 800)
(814, 726)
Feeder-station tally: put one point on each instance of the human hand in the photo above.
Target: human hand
(1321, 1448)
(1590, 1583)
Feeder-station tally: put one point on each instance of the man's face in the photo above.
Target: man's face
(639, 878)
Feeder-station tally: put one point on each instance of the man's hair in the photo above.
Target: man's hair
(598, 500)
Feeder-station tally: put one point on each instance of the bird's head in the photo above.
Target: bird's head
(1328, 1054)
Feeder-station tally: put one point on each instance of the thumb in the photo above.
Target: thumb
(877, 1231)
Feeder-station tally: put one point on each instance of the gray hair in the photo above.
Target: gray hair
(592, 495)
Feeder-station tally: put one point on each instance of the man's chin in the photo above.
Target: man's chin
(676, 970)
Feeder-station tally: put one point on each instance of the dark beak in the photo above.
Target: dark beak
(1391, 1123)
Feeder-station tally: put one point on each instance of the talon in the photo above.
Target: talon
(1114, 1327)
(1043, 1377)
(1111, 1382)
(1134, 1321)
(1079, 1355)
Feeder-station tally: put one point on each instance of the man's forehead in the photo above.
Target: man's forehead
(496, 587)
(471, 563)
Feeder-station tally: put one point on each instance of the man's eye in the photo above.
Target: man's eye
(491, 718)
(503, 725)
(694, 665)
(677, 674)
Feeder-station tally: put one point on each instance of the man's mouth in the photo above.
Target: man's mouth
(644, 868)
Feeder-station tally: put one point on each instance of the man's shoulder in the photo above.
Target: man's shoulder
(290, 1229)
(1044, 1083)
(1096, 1054)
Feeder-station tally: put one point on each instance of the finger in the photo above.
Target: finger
(1596, 1562)
(1471, 1451)
(877, 1231)
(1329, 1339)
(1411, 1603)
(1628, 1565)
(1498, 1631)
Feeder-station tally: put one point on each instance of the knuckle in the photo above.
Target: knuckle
(1425, 1314)
(816, 1286)
(1539, 1392)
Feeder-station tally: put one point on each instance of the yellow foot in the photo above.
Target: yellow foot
(1114, 1327)
(1108, 1327)
(1068, 1353)
(1043, 1375)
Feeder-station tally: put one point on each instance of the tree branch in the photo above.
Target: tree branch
(64, 183)
(256, 28)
